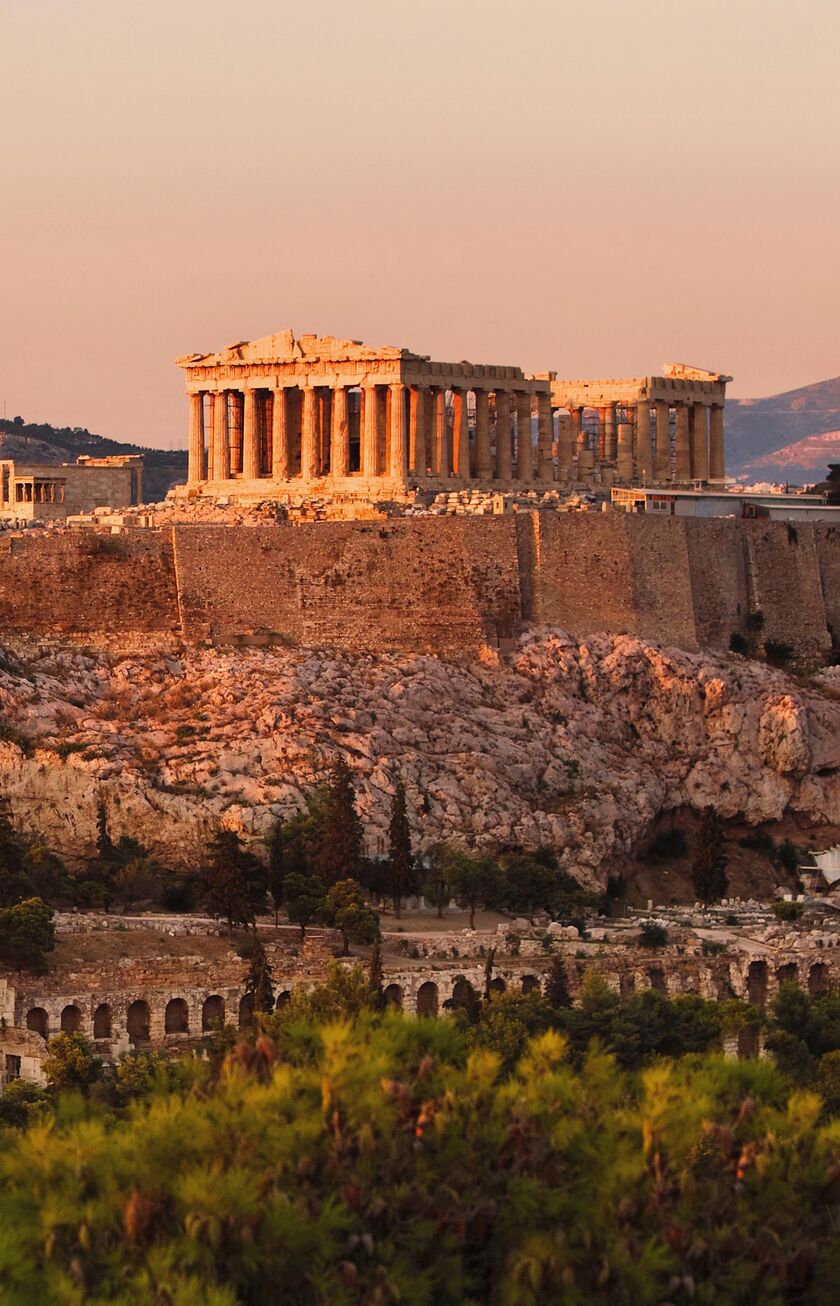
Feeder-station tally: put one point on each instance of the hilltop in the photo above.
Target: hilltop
(42, 443)
(791, 436)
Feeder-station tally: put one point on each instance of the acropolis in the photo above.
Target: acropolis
(283, 414)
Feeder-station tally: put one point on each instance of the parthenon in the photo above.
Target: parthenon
(281, 414)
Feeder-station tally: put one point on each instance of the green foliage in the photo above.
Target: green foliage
(259, 980)
(557, 993)
(738, 643)
(474, 881)
(27, 935)
(235, 881)
(139, 880)
(708, 867)
(21, 1104)
(777, 653)
(787, 911)
(294, 844)
(345, 909)
(305, 899)
(71, 1063)
(402, 874)
(340, 853)
(653, 935)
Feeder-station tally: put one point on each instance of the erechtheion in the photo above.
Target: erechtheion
(284, 414)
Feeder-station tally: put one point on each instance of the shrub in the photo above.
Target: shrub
(777, 653)
(738, 643)
(787, 911)
(653, 935)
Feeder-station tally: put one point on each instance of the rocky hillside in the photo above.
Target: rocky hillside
(791, 436)
(577, 745)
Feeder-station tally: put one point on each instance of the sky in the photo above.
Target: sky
(591, 186)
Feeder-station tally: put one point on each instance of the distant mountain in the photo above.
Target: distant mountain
(791, 436)
(38, 442)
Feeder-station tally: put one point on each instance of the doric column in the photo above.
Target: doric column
(624, 449)
(280, 470)
(578, 432)
(682, 448)
(340, 450)
(460, 435)
(309, 434)
(504, 437)
(717, 453)
(483, 461)
(610, 434)
(234, 413)
(524, 449)
(662, 465)
(251, 441)
(195, 454)
(417, 433)
(601, 443)
(644, 448)
(221, 452)
(699, 442)
(545, 432)
(397, 443)
(440, 433)
(370, 435)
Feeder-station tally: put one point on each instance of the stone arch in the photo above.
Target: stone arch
(818, 984)
(497, 985)
(656, 979)
(176, 1018)
(38, 1020)
(71, 1019)
(246, 1011)
(427, 999)
(393, 996)
(787, 974)
(137, 1021)
(283, 999)
(212, 1012)
(102, 1021)
(757, 983)
(530, 984)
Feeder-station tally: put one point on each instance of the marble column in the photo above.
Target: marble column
(440, 434)
(234, 416)
(610, 434)
(195, 454)
(717, 454)
(460, 435)
(567, 438)
(251, 441)
(545, 432)
(682, 448)
(280, 469)
(644, 446)
(324, 428)
(397, 443)
(699, 442)
(524, 438)
(624, 449)
(309, 434)
(662, 464)
(417, 432)
(504, 437)
(340, 443)
(221, 452)
(483, 460)
(601, 443)
(370, 440)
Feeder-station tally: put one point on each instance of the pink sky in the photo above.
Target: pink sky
(595, 187)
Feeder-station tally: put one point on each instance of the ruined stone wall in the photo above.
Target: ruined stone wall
(77, 583)
(827, 539)
(785, 584)
(717, 564)
(436, 586)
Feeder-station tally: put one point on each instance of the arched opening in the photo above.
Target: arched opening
(497, 985)
(427, 999)
(393, 996)
(71, 1019)
(246, 1011)
(818, 980)
(102, 1021)
(748, 1044)
(656, 979)
(627, 984)
(212, 1012)
(787, 974)
(463, 992)
(38, 1020)
(530, 984)
(283, 999)
(137, 1022)
(176, 1019)
(757, 983)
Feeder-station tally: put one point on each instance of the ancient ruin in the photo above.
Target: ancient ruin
(52, 492)
(281, 414)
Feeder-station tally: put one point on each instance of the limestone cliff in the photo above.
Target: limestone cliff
(569, 743)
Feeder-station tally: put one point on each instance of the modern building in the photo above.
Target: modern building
(674, 502)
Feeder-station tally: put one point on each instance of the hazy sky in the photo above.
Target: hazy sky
(593, 186)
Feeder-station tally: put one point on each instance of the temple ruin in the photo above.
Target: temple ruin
(316, 414)
(53, 491)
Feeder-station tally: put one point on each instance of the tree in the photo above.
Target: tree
(529, 885)
(436, 888)
(305, 898)
(27, 935)
(71, 1063)
(259, 980)
(137, 881)
(340, 855)
(557, 993)
(345, 909)
(475, 882)
(294, 843)
(14, 883)
(235, 881)
(708, 869)
(376, 974)
(402, 869)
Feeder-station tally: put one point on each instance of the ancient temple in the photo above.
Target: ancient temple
(320, 415)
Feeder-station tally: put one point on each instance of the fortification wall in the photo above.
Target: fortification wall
(717, 565)
(429, 585)
(786, 585)
(827, 540)
(69, 583)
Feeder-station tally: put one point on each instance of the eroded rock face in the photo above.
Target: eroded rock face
(573, 744)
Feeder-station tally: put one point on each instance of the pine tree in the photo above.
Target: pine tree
(14, 883)
(235, 881)
(340, 855)
(258, 981)
(557, 989)
(708, 870)
(376, 975)
(402, 868)
(488, 974)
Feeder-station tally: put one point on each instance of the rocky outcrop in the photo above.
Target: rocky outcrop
(578, 745)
